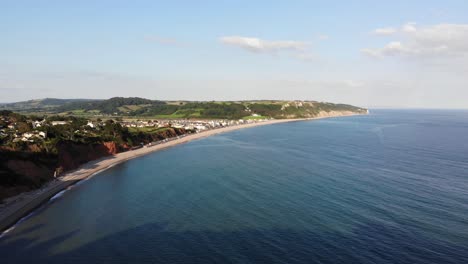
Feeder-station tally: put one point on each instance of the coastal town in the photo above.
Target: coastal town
(35, 129)
(13, 208)
(45, 150)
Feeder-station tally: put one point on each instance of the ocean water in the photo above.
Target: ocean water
(390, 187)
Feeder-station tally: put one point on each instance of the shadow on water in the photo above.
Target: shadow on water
(154, 243)
(27, 231)
(27, 250)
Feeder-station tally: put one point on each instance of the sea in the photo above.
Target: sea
(388, 187)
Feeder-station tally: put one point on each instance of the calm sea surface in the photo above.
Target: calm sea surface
(391, 187)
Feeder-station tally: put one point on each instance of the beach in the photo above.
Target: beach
(20, 206)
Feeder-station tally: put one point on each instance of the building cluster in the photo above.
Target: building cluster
(189, 124)
(34, 128)
(9, 127)
(30, 136)
(26, 131)
(139, 123)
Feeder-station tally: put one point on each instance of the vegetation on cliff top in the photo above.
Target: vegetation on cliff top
(140, 107)
(34, 148)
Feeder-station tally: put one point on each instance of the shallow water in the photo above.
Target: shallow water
(391, 187)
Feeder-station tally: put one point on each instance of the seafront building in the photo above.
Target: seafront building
(10, 129)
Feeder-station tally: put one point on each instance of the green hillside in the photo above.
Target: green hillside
(40, 104)
(141, 107)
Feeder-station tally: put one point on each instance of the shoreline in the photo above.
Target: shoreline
(15, 211)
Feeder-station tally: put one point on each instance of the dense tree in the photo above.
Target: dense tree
(23, 127)
(109, 106)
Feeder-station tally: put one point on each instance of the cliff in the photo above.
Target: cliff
(30, 166)
(22, 171)
(71, 155)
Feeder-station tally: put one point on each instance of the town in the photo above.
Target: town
(16, 128)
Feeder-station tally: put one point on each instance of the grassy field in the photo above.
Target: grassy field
(171, 116)
(147, 129)
(254, 117)
(129, 108)
(183, 113)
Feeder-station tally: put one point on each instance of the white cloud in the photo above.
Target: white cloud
(409, 27)
(295, 49)
(442, 40)
(385, 31)
(260, 45)
(392, 48)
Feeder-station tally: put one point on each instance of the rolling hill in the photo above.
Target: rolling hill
(141, 107)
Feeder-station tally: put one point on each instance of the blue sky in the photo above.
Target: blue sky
(388, 54)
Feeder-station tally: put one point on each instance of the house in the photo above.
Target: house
(42, 134)
(56, 123)
(36, 124)
(90, 124)
(200, 127)
(28, 135)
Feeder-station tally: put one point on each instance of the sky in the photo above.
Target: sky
(367, 53)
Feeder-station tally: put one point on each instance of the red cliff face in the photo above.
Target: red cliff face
(28, 167)
(72, 155)
(112, 148)
(168, 133)
(27, 170)
(24, 171)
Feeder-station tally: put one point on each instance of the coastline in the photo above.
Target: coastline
(13, 212)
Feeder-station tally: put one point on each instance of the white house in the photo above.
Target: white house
(200, 127)
(36, 124)
(56, 123)
(27, 135)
